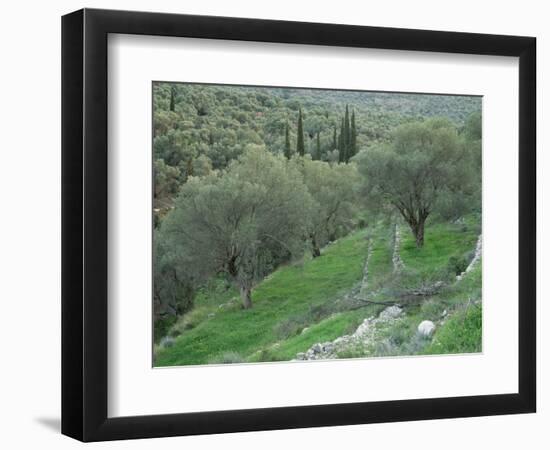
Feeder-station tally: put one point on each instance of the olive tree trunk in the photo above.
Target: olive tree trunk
(315, 250)
(418, 230)
(246, 297)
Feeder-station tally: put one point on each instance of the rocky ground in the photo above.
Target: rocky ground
(370, 332)
(363, 337)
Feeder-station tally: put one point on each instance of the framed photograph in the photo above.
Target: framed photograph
(273, 224)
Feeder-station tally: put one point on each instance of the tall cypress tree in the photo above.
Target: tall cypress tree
(300, 147)
(288, 151)
(189, 168)
(172, 98)
(334, 140)
(353, 137)
(318, 148)
(342, 143)
(347, 135)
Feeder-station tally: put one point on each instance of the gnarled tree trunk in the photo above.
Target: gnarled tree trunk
(315, 250)
(417, 222)
(246, 297)
(417, 228)
(419, 233)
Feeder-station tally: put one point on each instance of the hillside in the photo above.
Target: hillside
(302, 307)
(198, 128)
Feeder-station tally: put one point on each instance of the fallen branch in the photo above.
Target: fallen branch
(371, 302)
(424, 291)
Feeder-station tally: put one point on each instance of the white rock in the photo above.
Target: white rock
(316, 348)
(328, 347)
(362, 329)
(426, 328)
(391, 312)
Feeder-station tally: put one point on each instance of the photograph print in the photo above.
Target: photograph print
(297, 224)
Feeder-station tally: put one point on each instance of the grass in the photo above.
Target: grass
(309, 295)
(442, 242)
(326, 330)
(290, 291)
(456, 313)
(460, 334)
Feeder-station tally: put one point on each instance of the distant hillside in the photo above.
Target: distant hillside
(456, 108)
(198, 128)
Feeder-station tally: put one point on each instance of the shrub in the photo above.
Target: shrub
(353, 325)
(319, 312)
(400, 334)
(295, 324)
(457, 264)
(354, 351)
(227, 358)
(167, 342)
(290, 327)
(432, 310)
(269, 355)
(174, 332)
(162, 326)
(385, 348)
(417, 344)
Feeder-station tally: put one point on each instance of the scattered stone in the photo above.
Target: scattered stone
(211, 315)
(364, 281)
(304, 330)
(363, 336)
(317, 348)
(426, 328)
(391, 312)
(341, 340)
(327, 347)
(362, 329)
(444, 313)
(475, 259)
(396, 257)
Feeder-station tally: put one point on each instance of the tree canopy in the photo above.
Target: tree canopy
(242, 223)
(216, 123)
(333, 188)
(424, 166)
(247, 178)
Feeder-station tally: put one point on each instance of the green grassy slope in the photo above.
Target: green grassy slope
(443, 240)
(306, 295)
(292, 291)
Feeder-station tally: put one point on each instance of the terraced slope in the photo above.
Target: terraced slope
(317, 300)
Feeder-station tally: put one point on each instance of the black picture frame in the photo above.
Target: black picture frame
(84, 224)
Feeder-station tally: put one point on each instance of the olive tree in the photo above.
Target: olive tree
(242, 223)
(424, 166)
(333, 188)
(173, 282)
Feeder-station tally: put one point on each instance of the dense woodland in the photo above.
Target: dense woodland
(249, 179)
